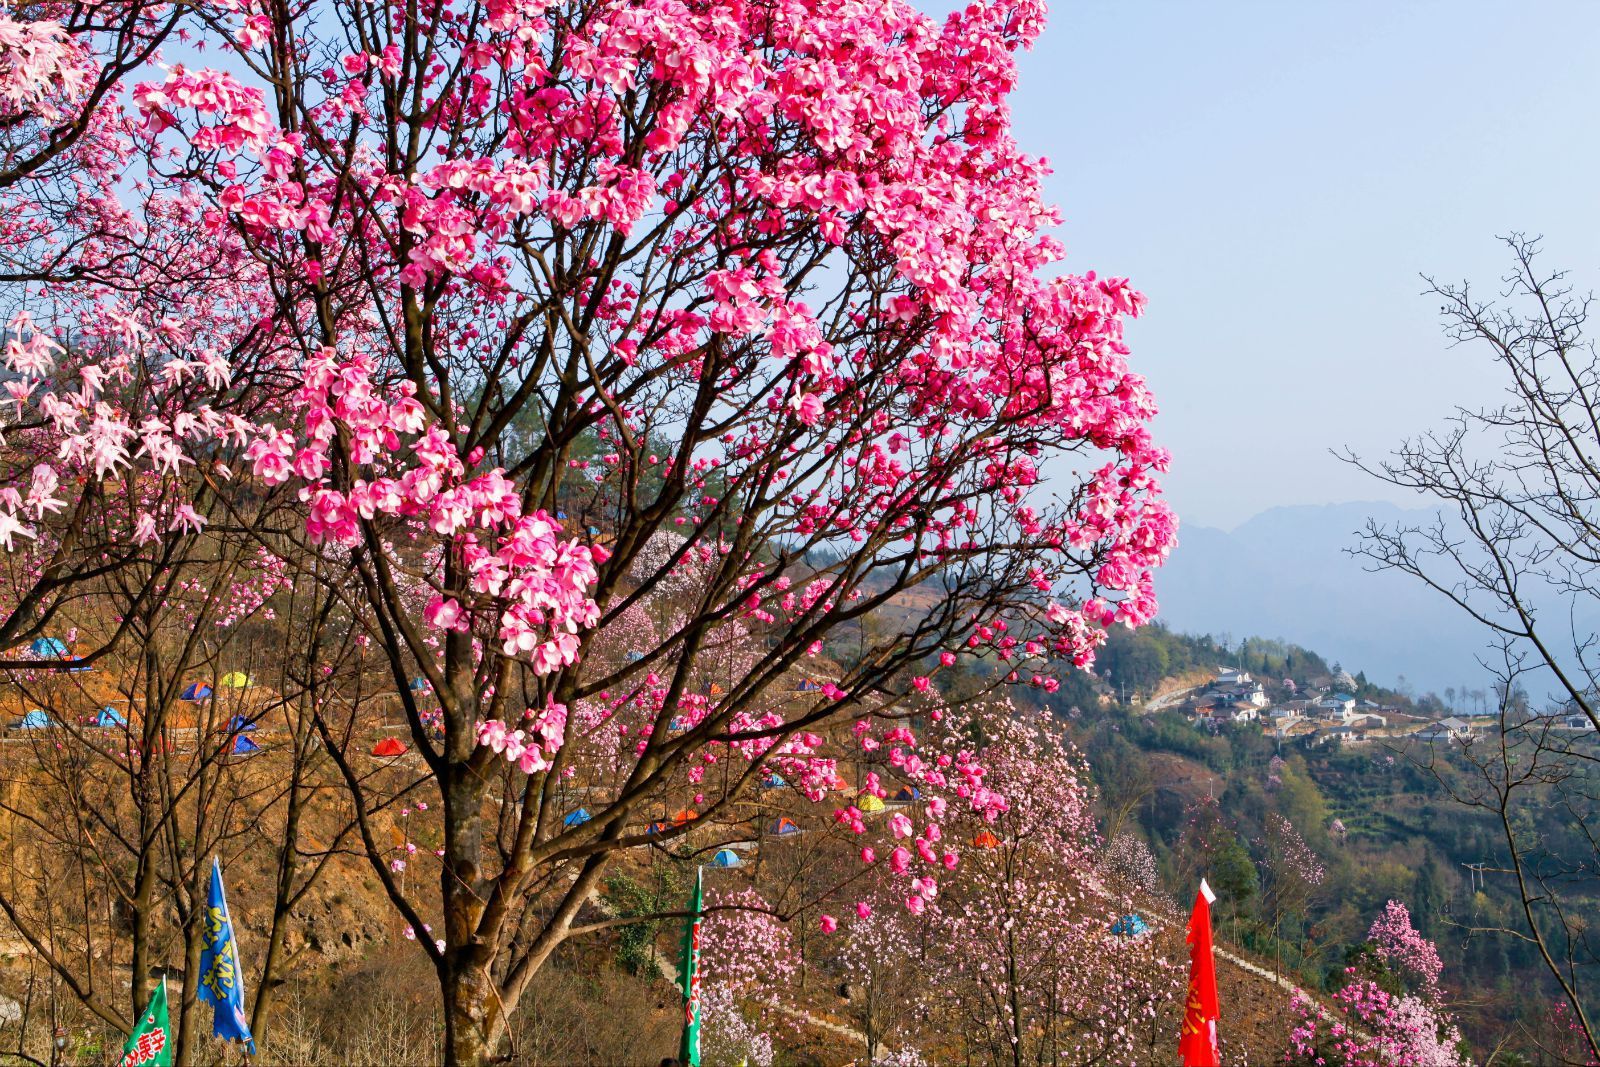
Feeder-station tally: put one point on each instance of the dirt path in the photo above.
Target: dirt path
(1166, 700)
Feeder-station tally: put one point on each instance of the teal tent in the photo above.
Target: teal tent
(727, 858)
(110, 716)
(772, 781)
(34, 720)
(49, 646)
(576, 818)
(419, 685)
(1130, 926)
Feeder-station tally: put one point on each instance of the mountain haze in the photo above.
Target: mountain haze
(1285, 573)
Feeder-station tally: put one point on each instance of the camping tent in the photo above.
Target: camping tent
(576, 818)
(772, 781)
(727, 858)
(781, 826)
(110, 716)
(658, 827)
(907, 794)
(49, 646)
(243, 746)
(986, 840)
(634, 655)
(684, 816)
(869, 803)
(419, 685)
(237, 680)
(389, 747)
(197, 692)
(806, 686)
(241, 725)
(34, 720)
(1130, 926)
(78, 669)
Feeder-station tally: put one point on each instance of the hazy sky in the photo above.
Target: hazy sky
(1275, 176)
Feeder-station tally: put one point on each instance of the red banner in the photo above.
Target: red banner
(1198, 1045)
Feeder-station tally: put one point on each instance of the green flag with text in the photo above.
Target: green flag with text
(689, 1049)
(150, 1044)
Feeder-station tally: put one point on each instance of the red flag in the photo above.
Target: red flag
(1198, 1044)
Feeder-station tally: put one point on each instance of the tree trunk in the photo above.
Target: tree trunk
(144, 890)
(466, 1026)
(283, 896)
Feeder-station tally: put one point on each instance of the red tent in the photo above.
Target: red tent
(389, 747)
(684, 816)
(986, 840)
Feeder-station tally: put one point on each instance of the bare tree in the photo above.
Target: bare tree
(1515, 544)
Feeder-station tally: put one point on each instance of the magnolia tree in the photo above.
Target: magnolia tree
(1033, 961)
(1390, 1011)
(496, 294)
(1018, 954)
(747, 958)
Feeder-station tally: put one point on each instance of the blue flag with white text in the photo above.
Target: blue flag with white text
(221, 979)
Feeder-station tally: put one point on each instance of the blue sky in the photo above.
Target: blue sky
(1275, 176)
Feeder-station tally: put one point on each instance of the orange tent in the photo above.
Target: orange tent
(684, 816)
(389, 747)
(986, 840)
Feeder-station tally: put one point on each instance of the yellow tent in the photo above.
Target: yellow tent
(236, 680)
(867, 802)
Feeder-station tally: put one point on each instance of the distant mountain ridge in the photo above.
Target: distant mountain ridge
(1284, 573)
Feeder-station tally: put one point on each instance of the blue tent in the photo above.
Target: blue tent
(772, 781)
(419, 685)
(243, 746)
(34, 720)
(634, 656)
(49, 646)
(241, 725)
(782, 826)
(807, 686)
(727, 858)
(576, 818)
(76, 670)
(110, 716)
(197, 692)
(594, 531)
(907, 794)
(1130, 926)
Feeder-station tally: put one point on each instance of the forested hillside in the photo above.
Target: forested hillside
(1260, 816)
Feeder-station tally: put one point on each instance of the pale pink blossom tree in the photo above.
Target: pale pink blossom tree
(1390, 1010)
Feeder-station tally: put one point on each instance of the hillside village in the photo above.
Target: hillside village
(1323, 715)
